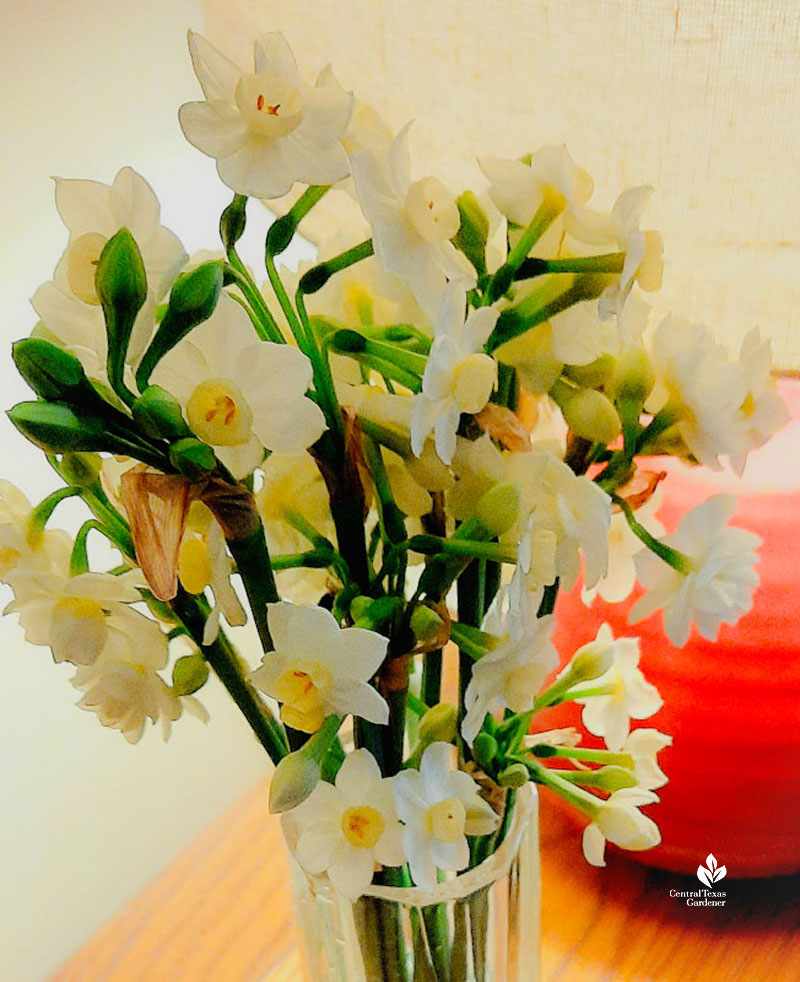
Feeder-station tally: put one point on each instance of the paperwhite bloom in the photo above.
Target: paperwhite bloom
(696, 381)
(412, 224)
(439, 806)
(619, 820)
(94, 212)
(631, 697)
(318, 669)
(125, 690)
(19, 547)
(763, 412)
(568, 514)
(240, 394)
(719, 587)
(267, 129)
(344, 829)
(203, 561)
(519, 189)
(623, 547)
(643, 745)
(459, 376)
(513, 672)
(620, 231)
(86, 616)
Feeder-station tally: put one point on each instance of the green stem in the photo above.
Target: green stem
(40, 515)
(79, 560)
(264, 322)
(546, 214)
(582, 800)
(319, 275)
(433, 545)
(677, 560)
(610, 262)
(586, 753)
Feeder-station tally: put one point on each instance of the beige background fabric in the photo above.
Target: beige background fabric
(699, 99)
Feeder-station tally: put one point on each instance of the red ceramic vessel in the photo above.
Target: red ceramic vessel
(733, 707)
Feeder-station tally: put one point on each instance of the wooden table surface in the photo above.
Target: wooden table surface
(222, 913)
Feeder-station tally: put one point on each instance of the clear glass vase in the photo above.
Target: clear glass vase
(481, 926)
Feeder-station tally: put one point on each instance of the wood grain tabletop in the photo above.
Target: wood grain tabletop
(222, 912)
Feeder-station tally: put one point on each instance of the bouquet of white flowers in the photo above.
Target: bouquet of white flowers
(405, 454)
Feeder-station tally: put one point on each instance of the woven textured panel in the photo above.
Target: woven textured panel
(700, 99)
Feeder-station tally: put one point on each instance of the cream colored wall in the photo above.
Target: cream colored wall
(87, 820)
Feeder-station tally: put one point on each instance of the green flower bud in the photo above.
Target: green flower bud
(634, 378)
(588, 413)
(439, 724)
(56, 427)
(232, 222)
(427, 625)
(473, 231)
(280, 234)
(359, 606)
(348, 341)
(52, 373)
(158, 414)
(590, 662)
(498, 508)
(192, 457)
(594, 375)
(81, 469)
(189, 674)
(612, 778)
(121, 286)
(514, 776)
(484, 750)
(193, 300)
(294, 779)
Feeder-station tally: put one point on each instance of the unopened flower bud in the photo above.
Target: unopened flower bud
(121, 286)
(189, 674)
(588, 413)
(438, 724)
(634, 379)
(359, 606)
(594, 375)
(514, 776)
(81, 469)
(612, 778)
(473, 231)
(52, 373)
(192, 457)
(532, 355)
(56, 427)
(498, 509)
(294, 779)
(590, 662)
(427, 626)
(158, 414)
(484, 749)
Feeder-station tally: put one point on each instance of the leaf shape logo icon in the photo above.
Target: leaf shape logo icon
(713, 874)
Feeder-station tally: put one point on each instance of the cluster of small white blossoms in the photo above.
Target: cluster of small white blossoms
(474, 383)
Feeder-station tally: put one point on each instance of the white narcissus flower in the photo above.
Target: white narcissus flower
(266, 129)
(623, 547)
(83, 617)
(125, 690)
(344, 829)
(439, 806)
(631, 696)
(643, 746)
(513, 672)
(696, 382)
(620, 231)
(519, 189)
(718, 587)
(763, 411)
(240, 394)
(568, 514)
(20, 546)
(318, 669)
(459, 376)
(412, 224)
(203, 561)
(619, 820)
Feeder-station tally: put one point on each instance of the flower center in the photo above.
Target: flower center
(219, 414)
(473, 381)
(446, 819)
(83, 255)
(362, 826)
(270, 104)
(299, 689)
(432, 210)
(78, 630)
